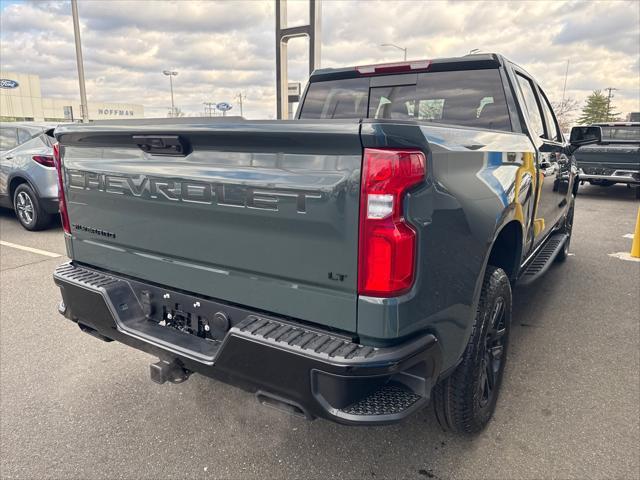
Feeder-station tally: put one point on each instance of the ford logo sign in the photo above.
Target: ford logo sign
(223, 106)
(6, 83)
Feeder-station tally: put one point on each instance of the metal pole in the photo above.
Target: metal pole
(173, 107)
(610, 89)
(404, 50)
(315, 27)
(564, 88)
(240, 102)
(283, 35)
(76, 33)
(281, 59)
(170, 74)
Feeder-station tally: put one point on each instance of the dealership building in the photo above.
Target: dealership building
(22, 100)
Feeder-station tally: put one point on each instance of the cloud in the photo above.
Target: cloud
(226, 47)
(614, 25)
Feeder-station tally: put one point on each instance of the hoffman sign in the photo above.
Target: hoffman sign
(112, 111)
(6, 83)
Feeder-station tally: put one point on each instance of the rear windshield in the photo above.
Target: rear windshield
(336, 99)
(471, 98)
(621, 133)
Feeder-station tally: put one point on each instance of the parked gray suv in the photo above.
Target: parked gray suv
(28, 179)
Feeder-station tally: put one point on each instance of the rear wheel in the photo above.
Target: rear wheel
(28, 210)
(466, 400)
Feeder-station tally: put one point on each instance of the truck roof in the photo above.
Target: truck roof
(466, 62)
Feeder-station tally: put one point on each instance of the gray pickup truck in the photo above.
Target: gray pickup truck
(352, 264)
(615, 159)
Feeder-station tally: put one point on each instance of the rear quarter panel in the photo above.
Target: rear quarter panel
(477, 182)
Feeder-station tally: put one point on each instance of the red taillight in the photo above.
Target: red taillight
(62, 203)
(44, 160)
(386, 260)
(394, 67)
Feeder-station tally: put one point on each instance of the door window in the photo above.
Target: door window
(552, 126)
(533, 110)
(8, 139)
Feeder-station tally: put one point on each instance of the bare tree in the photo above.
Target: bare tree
(564, 112)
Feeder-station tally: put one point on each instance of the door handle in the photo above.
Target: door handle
(10, 157)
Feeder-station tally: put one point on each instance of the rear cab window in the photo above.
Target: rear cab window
(621, 133)
(336, 99)
(470, 98)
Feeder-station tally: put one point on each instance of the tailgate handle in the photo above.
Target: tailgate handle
(171, 145)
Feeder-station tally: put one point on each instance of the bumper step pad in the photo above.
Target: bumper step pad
(307, 340)
(85, 277)
(391, 399)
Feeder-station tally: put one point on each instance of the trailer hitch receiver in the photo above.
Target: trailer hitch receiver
(168, 371)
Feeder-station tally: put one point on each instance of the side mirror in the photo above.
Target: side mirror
(581, 136)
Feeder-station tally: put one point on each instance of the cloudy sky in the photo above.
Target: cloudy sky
(221, 48)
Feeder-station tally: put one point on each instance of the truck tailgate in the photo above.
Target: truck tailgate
(262, 214)
(609, 157)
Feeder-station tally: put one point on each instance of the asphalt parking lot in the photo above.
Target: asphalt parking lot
(74, 407)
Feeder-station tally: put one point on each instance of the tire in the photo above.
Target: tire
(465, 401)
(28, 210)
(567, 228)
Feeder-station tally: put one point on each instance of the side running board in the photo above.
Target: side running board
(543, 259)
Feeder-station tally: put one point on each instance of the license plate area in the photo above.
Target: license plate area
(194, 319)
(200, 317)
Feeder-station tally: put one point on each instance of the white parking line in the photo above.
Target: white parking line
(624, 256)
(29, 249)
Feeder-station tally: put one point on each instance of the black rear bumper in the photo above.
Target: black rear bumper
(301, 368)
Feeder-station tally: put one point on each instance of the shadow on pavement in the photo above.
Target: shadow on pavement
(613, 192)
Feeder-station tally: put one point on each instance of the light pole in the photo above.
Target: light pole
(171, 74)
(609, 97)
(564, 88)
(241, 97)
(396, 46)
(76, 34)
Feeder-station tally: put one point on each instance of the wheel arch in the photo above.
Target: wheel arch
(17, 180)
(506, 249)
